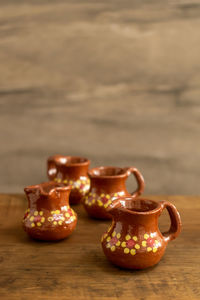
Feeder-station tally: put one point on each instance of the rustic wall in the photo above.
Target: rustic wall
(115, 81)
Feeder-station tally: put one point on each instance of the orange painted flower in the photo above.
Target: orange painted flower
(130, 245)
(113, 241)
(150, 243)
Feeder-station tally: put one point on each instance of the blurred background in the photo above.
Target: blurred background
(115, 81)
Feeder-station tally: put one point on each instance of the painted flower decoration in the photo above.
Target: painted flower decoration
(113, 241)
(90, 199)
(37, 219)
(82, 185)
(150, 243)
(56, 218)
(104, 200)
(130, 245)
(70, 215)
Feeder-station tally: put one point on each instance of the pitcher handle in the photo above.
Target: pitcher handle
(51, 168)
(139, 179)
(175, 227)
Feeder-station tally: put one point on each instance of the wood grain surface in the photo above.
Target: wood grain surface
(115, 81)
(76, 268)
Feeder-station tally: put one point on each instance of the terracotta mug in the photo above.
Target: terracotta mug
(108, 183)
(49, 216)
(134, 240)
(70, 170)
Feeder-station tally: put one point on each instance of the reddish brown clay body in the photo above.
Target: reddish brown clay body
(70, 170)
(49, 216)
(134, 240)
(108, 183)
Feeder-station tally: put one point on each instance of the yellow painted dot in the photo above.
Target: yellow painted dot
(123, 244)
(144, 243)
(133, 252)
(67, 215)
(146, 236)
(31, 218)
(39, 224)
(155, 249)
(78, 181)
(83, 181)
(118, 243)
(127, 237)
(70, 182)
(149, 249)
(54, 223)
(100, 203)
(36, 213)
(116, 194)
(60, 222)
(137, 246)
(50, 219)
(32, 225)
(156, 242)
(108, 196)
(42, 219)
(65, 181)
(112, 248)
(106, 205)
(126, 250)
(135, 238)
(102, 195)
(118, 235)
(41, 213)
(58, 180)
(108, 239)
(57, 211)
(114, 233)
(62, 218)
(52, 212)
(93, 200)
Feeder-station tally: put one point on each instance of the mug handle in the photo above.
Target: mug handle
(139, 179)
(175, 227)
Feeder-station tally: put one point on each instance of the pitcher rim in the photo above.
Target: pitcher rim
(134, 212)
(56, 158)
(40, 187)
(92, 175)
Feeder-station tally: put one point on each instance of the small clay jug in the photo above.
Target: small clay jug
(70, 170)
(49, 216)
(108, 183)
(134, 240)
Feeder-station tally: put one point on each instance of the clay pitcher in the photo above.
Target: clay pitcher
(70, 170)
(134, 240)
(108, 183)
(49, 216)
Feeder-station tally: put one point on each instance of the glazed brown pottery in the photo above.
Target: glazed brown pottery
(134, 240)
(49, 216)
(70, 170)
(108, 183)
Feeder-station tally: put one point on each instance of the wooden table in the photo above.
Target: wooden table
(77, 269)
